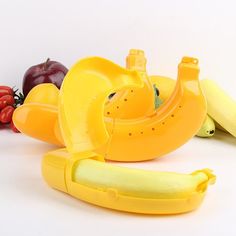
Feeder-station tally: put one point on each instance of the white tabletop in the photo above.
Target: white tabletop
(29, 207)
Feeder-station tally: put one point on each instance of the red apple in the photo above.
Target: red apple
(47, 72)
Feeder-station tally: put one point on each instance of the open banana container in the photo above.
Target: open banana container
(80, 169)
(125, 189)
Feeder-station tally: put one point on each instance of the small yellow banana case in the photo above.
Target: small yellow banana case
(88, 178)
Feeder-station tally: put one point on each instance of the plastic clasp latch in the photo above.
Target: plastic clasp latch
(190, 60)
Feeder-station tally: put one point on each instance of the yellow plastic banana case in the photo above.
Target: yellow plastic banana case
(129, 124)
(143, 138)
(155, 134)
(135, 102)
(130, 139)
(81, 172)
(86, 177)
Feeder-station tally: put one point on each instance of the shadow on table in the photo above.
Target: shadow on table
(224, 137)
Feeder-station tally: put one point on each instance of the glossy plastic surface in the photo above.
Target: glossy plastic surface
(79, 122)
(134, 102)
(124, 189)
(48, 94)
(169, 127)
(166, 86)
(83, 94)
(138, 139)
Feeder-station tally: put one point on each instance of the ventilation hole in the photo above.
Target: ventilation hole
(125, 99)
(111, 95)
(108, 113)
(117, 107)
(153, 129)
(130, 134)
(212, 132)
(172, 115)
(163, 123)
(180, 106)
(131, 90)
(141, 132)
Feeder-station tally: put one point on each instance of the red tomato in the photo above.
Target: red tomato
(3, 104)
(6, 100)
(6, 114)
(5, 90)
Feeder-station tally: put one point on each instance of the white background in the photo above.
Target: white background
(31, 31)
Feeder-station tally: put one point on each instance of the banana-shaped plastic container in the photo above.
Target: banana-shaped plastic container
(85, 90)
(124, 139)
(125, 128)
(135, 102)
(81, 172)
(86, 177)
(166, 87)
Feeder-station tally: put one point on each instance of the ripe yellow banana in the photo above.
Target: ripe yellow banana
(221, 107)
(122, 188)
(219, 127)
(207, 129)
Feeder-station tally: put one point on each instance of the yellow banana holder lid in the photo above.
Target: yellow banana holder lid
(126, 127)
(81, 172)
(59, 169)
(117, 128)
(54, 166)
